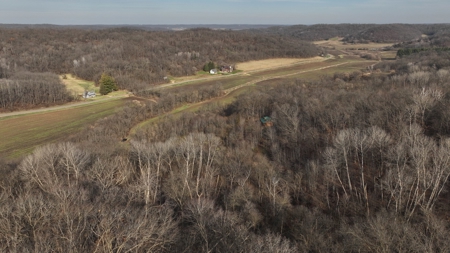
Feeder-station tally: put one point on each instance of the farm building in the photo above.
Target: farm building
(226, 69)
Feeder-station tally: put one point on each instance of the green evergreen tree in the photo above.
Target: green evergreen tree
(107, 84)
(211, 65)
(208, 66)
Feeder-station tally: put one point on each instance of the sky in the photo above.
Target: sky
(282, 12)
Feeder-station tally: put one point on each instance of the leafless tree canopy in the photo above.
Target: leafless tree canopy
(350, 163)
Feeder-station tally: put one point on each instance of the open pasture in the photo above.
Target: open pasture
(274, 63)
(21, 134)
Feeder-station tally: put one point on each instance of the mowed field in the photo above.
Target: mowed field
(21, 134)
(274, 63)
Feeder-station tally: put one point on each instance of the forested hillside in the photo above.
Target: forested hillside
(386, 33)
(135, 57)
(349, 163)
(357, 33)
(315, 32)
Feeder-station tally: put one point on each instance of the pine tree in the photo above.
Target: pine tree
(211, 65)
(107, 84)
(208, 66)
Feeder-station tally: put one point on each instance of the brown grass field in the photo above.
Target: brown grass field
(76, 85)
(274, 63)
(243, 69)
(21, 134)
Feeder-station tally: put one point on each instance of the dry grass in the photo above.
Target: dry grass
(340, 45)
(274, 63)
(389, 55)
(76, 85)
(20, 135)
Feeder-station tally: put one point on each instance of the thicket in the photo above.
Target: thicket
(409, 51)
(25, 90)
(352, 163)
(440, 39)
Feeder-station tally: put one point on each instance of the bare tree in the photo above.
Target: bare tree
(151, 158)
(424, 99)
(270, 243)
(129, 229)
(418, 172)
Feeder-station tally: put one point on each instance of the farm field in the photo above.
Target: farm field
(243, 69)
(20, 135)
(257, 75)
(274, 63)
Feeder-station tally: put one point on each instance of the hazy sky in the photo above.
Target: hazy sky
(223, 11)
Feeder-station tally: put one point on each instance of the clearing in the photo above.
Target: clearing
(78, 86)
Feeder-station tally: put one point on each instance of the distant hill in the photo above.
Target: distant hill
(357, 32)
(386, 33)
(315, 32)
(179, 27)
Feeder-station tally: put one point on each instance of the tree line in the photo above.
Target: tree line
(409, 51)
(26, 90)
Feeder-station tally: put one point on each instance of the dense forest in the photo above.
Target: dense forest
(26, 90)
(350, 163)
